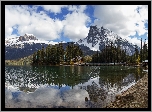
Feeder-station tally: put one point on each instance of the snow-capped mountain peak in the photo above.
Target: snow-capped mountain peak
(27, 38)
(98, 38)
(29, 34)
(23, 46)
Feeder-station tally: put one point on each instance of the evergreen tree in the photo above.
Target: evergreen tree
(61, 52)
(53, 57)
(34, 58)
(43, 55)
(145, 52)
(68, 53)
(111, 53)
(48, 54)
(72, 51)
(39, 57)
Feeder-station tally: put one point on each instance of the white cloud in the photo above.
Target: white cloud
(75, 26)
(53, 8)
(72, 7)
(137, 41)
(122, 19)
(134, 41)
(8, 29)
(144, 13)
(39, 24)
(44, 27)
(79, 8)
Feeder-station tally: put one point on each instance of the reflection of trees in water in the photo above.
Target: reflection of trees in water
(41, 75)
(116, 78)
(14, 75)
(25, 76)
(27, 89)
(111, 78)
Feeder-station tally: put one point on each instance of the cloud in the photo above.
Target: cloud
(8, 29)
(43, 26)
(122, 19)
(54, 8)
(80, 8)
(134, 41)
(14, 15)
(75, 25)
(28, 21)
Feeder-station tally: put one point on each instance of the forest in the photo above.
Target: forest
(55, 55)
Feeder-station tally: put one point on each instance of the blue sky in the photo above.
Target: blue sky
(72, 22)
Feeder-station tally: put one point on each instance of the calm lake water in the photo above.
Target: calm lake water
(101, 83)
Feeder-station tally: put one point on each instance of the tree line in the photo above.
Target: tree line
(113, 54)
(55, 54)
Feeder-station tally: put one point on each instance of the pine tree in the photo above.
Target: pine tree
(68, 53)
(34, 61)
(72, 51)
(42, 56)
(61, 52)
(48, 54)
(39, 57)
(145, 52)
(53, 57)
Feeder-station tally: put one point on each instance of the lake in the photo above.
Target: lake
(68, 85)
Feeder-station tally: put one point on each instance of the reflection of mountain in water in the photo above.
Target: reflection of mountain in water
(128, 79)
(109, 77)
(96, 92)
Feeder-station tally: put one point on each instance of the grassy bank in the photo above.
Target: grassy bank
(21, 61)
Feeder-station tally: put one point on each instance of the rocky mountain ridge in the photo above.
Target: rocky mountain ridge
(98, 38)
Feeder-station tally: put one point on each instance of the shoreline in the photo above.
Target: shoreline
(134, 97)
(83, 64)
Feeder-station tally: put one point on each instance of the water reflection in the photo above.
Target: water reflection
(100, 82)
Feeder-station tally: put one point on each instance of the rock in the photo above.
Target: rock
(134, 97)
(118, 96)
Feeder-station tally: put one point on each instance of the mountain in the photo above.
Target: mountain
(23, 46)
(98, 38)
(19, 42)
